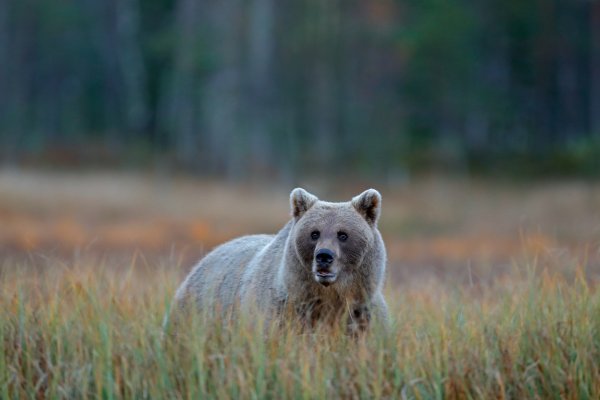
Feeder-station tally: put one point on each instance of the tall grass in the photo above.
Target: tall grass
(90, 331)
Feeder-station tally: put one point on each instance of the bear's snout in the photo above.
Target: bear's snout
(324, 273)
(324, 258)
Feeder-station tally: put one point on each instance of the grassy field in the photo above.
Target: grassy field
(492, 288)
(90, 331)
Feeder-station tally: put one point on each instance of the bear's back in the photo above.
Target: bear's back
(215, 280)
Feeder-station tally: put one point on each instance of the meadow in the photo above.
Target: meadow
(492, 289)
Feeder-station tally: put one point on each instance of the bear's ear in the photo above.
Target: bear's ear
(301, 201)
(368, 204)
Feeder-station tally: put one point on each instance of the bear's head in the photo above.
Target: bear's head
(334, 240)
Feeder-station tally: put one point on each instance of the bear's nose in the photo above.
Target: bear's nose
(324, 257)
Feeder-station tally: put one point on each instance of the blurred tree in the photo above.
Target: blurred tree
(594, 67)
(244, 88)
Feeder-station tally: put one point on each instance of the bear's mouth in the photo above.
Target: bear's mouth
(325, 278)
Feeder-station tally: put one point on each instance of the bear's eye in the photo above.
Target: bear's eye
(315, 235)
(342, 236)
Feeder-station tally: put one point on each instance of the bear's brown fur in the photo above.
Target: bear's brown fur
(274, 273)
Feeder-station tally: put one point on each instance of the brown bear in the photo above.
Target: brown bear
(325, 266)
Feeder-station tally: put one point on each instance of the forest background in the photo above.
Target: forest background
(264, 89)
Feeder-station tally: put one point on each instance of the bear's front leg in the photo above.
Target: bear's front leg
(358, 320)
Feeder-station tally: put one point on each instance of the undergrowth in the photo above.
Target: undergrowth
(91, 331)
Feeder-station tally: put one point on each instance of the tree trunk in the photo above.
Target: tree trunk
(4, 73)
(131, 64)
(323, 95)
(259, 98)
(594, 100)
(221, 97)
(182, 104)
(19, 73)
